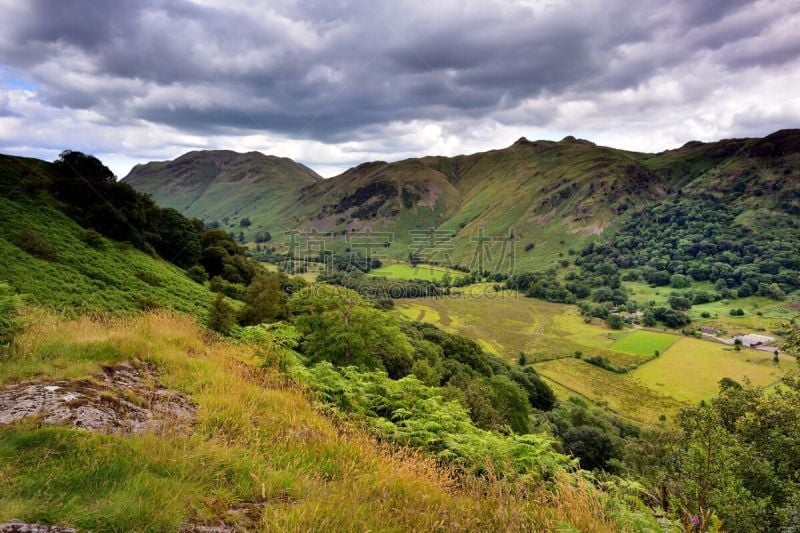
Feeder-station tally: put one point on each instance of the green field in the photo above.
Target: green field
(644, 342)
(421, 272)
(691, 369)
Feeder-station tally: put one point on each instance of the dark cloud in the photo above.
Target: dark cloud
(331, 69)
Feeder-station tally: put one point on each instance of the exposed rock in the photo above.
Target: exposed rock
(244, 516)
(125, 398)
(15, 526)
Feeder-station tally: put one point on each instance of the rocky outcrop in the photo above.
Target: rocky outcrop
(15, 526)
(123, 399)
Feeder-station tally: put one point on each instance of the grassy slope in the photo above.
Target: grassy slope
(620, 394)
(82, 278)
(265, 444)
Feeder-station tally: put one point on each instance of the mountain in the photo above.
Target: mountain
(557, 196)
(224, 186)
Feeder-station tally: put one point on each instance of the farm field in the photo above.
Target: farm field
(617, 392)
(421, 272)
(644, 342)
(691, 369)
(542, 330)
(688, 370)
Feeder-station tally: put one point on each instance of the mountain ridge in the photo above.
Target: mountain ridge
(557, 195)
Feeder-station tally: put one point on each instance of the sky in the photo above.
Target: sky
(333, 83)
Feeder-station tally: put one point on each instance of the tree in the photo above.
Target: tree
(265, 300)
(341, 327)
(262, 237)
(679, 303)
(679, 281)
(737, 344)
(615, 321)
(447, 279)
(177, 241)
(511, 403)
(791, 334)
(523, 359)
(221, 317)
(775, 292)
(594, 447)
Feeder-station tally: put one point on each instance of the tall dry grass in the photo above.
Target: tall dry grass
(258, 439)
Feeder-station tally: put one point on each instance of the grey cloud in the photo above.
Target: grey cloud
(331, 69)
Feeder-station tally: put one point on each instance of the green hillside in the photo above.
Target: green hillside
(226, 187)
(56, 263)
(557, 196)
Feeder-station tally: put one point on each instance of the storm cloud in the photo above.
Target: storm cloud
(331, 83)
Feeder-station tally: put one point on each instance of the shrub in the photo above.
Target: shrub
(92, 239)
(221, 317)
(145, 303)
(149, 278)
(197, 274)
(231, 290)
(394, 409)
(32, 242)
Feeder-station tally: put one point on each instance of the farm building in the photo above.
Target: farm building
(752, 340)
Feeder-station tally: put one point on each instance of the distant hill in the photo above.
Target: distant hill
(224, 186)
(558, 196)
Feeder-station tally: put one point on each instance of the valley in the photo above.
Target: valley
(465, 334)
